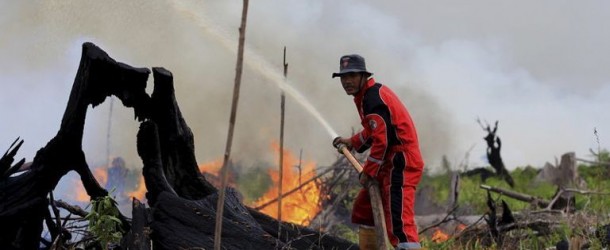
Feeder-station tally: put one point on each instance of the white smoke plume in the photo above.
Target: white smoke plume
(539, 68)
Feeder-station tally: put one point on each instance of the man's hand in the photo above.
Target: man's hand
(340, 140)
(365, 179)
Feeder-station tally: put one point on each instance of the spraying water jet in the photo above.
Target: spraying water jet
(255, 62)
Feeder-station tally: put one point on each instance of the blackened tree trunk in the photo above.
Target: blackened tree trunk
(23, 198)
(181, 200)
(184, 202)
(494, 144)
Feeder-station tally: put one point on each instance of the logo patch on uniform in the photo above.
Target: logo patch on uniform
(373, 124)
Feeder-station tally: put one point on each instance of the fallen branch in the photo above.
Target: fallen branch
(71, 208)
(541, 203)
(447, 218)
(593, 162)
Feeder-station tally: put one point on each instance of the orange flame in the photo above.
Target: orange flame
(212, 167)
(100, 174)
(140, 191)
(299, 207)
(80, 194)
(438, 236)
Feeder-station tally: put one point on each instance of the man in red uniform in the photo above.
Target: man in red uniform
(394, 159)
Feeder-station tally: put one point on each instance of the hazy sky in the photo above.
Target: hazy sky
(540, 68)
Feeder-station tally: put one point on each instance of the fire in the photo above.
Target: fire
(212, 167)
(140, 191)
(438, 236)
(299, 207)
(80, 195)
(100, 174)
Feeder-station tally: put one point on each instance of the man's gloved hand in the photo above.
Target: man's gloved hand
(340, 140)
(364, 179)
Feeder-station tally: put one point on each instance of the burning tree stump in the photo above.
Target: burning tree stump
(182, 201)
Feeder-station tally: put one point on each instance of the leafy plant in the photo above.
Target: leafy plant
(104, 223)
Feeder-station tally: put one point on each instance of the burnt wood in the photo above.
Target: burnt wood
(139, 236)
(494, 144)
(23, 198)
(182, 202)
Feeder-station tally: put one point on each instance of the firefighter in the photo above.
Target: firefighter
(394, 159)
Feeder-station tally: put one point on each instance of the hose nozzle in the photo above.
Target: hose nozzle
(338, 144)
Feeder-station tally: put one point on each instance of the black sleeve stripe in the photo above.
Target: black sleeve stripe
(372, 99)
(374, 104)
(366, 145)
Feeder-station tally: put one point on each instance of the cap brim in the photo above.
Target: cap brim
(350, 71)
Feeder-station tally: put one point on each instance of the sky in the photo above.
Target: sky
(539, 68)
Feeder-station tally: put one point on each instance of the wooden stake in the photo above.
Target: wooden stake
(375, 195)
(108, 132)
(283, 109)
(224, 174)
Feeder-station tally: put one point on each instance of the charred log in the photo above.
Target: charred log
(184, 223)
(177, 211)
(139, 236)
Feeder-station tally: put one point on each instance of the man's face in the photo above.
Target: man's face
(352, 82)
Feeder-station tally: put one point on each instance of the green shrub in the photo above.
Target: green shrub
(104, 222)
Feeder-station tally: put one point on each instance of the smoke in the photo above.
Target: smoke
(545, 85)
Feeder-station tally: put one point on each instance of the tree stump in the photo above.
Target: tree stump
(182, 202)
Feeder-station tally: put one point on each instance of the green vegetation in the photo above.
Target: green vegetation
(346, 232)
(104, 222)
(592, 209)
(253, 183)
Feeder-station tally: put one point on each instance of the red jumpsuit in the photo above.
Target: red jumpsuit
(394, 161)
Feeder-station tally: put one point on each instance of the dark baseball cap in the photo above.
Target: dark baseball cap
(351, 63)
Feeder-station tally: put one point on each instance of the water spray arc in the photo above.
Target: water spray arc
(255, 62)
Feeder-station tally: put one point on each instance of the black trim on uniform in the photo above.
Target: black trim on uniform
(374, 104)
(365, 146)
(396, 196)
